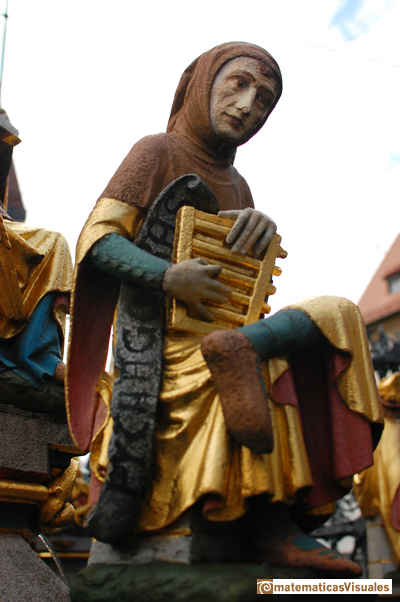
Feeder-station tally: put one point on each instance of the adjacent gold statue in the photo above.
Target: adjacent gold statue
(377, 489)
(209, 430)
(36, 275)
(36, 272)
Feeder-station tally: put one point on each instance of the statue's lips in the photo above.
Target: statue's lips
(235, 121)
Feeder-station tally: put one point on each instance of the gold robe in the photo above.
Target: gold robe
(43, 264)
(193, 453)
(377, 489)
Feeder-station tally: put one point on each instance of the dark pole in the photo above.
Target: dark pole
(5, 15)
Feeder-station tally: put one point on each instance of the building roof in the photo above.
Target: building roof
(377, 302)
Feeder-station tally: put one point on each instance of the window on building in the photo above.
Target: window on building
(394, 283)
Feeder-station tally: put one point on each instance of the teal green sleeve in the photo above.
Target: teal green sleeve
(288, 331)
(124, 260)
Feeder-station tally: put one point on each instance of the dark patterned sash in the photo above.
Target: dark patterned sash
(138, 353)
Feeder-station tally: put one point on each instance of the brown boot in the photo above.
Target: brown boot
(289, 547)
(236, 371)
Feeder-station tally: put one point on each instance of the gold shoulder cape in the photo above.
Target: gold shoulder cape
(43, 264)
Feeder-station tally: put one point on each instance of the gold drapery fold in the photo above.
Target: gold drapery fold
(101, 438)
(341, 323)
(375, 488)
(90, 293)
(109, 216)
(43, 264)
(389, 389)
(195, 455)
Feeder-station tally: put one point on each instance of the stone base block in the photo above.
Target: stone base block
(177, 582)
(25, 577)
(395, 577)
(31, 444)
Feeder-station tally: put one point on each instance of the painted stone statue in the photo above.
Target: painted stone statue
(37, 471)
(36, 271)
(180, 437)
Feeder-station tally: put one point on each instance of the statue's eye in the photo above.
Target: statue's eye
(264, 100)
(240, 83)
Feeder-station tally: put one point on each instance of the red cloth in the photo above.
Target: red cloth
(330, 428)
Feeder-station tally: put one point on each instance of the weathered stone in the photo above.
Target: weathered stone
(24, 577)
(395, 577)
(25, 438)
(190, 540)
(177, 582)
(143, 551)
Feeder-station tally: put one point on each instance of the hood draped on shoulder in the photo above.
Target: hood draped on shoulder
(190, 114)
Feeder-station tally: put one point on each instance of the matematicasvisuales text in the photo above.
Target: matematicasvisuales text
(363, 585)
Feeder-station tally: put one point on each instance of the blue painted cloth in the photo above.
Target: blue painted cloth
(35, 352)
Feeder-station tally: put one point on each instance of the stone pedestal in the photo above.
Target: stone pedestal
(193, 560)
(24, 576)
(34, 448)
(178, 582)
(380, 556)
(189, 540)
(32, 444)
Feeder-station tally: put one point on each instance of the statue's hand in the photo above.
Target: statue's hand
(250, 227)
(193, 281)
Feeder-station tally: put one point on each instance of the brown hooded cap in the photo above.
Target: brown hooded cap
(191, 145)
(190, 113)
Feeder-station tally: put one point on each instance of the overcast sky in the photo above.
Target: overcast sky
(85, 79)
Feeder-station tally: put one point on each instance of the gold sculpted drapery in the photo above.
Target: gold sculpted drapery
(377, 489)
(193, 452)
(43, 264)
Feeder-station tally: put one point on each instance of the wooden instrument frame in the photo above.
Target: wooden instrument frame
(199, 234)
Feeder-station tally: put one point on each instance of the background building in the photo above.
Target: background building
(380, 308)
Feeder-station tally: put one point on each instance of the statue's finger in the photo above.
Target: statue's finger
(218, 287)
(213, 271)
(253, 237)
(204, 312)
(252, 223)
(215, 297)
(265, 239)
(229, 213)
(237, 227)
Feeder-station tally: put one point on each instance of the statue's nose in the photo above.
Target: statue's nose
(245, 101)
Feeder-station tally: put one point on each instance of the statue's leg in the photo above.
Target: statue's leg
(286, 332)
(234, 358)
(276, 539)
(35, 352)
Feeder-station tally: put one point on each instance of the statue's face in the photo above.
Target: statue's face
(241, 96)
